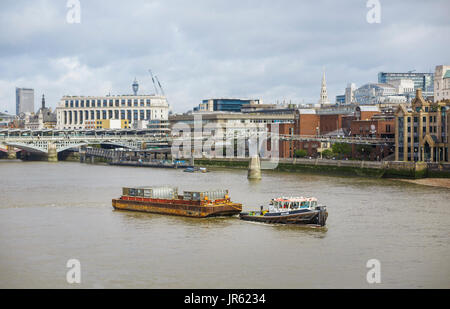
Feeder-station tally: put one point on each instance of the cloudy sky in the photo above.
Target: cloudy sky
(274, 50)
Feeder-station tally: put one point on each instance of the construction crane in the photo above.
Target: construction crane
(160, 87)
(154, 84)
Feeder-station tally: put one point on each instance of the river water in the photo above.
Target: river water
(51, 213)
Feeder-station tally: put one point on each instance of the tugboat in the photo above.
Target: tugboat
(293, 210)
(165, 200)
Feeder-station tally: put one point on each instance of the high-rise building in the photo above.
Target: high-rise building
(350, 93)
(24, 101)
(424, 81)
(442, 83)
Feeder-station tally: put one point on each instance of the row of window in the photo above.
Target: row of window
(76, 117)
(107, 103)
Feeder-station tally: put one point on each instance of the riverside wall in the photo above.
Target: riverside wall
(388, 169)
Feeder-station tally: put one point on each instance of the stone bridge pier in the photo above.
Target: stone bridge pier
(52, 152)
(11, 153)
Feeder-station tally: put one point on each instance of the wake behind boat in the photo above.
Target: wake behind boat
(293, 210)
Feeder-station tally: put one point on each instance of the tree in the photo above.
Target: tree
(300, 153)
(327, 153)
(341, 149)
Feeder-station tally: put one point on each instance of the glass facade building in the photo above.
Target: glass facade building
(227, 105)
(424, 81)
(24, 100)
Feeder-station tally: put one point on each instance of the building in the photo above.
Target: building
(78, 112)
(422, 130)
(225, 105)
(340, 99)
(111, 124)
(372, 122)
(6, 120)
(286, 148)
(227, 125)
(382, 94)
(404, 87)
(442, 83)
(235, 121)
(43, 119)
(323, 101)
(350, 93)
(333, 121)
(24, 101)
(422, 81)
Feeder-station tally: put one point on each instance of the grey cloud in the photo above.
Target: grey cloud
(269, 49)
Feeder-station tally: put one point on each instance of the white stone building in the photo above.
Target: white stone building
(442, 83)
(77, 112)
(350, 93)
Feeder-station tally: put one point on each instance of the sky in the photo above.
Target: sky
(199, 49)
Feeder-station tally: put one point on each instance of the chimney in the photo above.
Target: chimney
(419, 93)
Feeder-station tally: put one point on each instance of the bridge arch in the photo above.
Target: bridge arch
(28, 147)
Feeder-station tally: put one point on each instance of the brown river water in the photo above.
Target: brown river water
(51, 213)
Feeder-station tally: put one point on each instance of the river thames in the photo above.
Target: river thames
(51, 213)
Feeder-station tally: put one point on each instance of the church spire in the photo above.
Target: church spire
(323, 92)
(43, 102)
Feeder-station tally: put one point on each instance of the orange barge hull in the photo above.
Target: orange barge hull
(178, 207)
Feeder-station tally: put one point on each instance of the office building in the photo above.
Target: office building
(350, 93)
(382, 94)
(340, 99)
(424, 81)
(24, 101)
(225, 105)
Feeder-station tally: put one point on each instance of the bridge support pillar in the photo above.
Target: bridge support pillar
(52, 153)
(254, 168)
(11, 153)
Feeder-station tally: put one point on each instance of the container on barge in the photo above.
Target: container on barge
(166, 200)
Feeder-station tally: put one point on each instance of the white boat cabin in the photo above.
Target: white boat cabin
(292, 203)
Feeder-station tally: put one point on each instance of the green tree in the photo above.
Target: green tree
(341, 149)
(327, 153)
(300, 153)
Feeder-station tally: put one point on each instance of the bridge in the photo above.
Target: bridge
(51, 142)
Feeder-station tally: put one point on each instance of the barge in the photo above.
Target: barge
(165, 200)
(293, 210)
